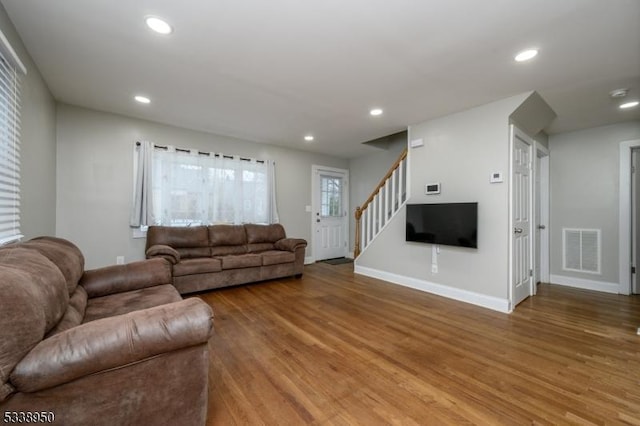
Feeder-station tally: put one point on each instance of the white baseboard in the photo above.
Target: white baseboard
(489, 302)
(585, 284)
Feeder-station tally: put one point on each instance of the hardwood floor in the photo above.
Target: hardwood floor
(339, 348)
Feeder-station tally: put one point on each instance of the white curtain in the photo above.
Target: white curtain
(271, 185)
(141, 206)
(194, 189)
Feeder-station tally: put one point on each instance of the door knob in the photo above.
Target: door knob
(517, 230)
(318, 220)
(542, 227)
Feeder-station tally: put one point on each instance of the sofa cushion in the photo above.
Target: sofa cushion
(129, 301)
(274, 257)
(193, 252)
(37, 297)
(225, 250)
(259, 247)
(202, 265)
(241, 261)
(64, 254)
(74, 314)
(264, 233)
(189, 241)
(227, 235)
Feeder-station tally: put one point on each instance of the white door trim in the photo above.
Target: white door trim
(315, 169)
(542, 156)
(624, 216)
(513, 130)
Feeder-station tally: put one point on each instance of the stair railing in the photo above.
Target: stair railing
(383, 203)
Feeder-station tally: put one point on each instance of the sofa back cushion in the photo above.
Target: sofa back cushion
(34, 298)
(227, 239)
(74, 314)
(262, 237)
(190, 242)
(64, 254)
(264, 233)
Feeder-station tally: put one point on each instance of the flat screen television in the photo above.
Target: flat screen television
(451, 224)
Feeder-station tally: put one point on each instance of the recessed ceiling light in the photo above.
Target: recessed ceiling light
(308, 138)
(376, 111)
(629, 105)
(526, 55)
(619, 93)
(142, 99)
(158, 25)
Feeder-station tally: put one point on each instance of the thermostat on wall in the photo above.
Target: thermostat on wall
(496, 177)
(432, 188)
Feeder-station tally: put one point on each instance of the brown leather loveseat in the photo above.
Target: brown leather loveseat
(110, 346)
(207, 257)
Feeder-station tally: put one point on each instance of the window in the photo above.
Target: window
(191, 189)
(330, 196)
(11, 69)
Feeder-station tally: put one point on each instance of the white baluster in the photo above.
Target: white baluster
(387, 213)
(393, 191)
(380, 205)
(400, 172)
(363, 230)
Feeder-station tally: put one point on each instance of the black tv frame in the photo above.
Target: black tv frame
(450, 224)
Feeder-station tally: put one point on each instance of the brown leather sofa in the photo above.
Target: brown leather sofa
(208, 257)
(110, 346)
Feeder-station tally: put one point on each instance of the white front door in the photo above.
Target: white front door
(330, 213)
(521, 217)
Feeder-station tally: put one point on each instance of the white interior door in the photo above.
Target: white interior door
(635, 219)
(521, 217)
(330, 213)
(537, 226)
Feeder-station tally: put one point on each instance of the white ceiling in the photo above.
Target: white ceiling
(273, 71)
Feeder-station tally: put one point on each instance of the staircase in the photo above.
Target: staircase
(383, 203)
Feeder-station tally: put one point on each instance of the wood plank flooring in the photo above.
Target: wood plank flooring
(339, 348)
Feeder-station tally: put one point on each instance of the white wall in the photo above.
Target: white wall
(460, 151)
(584, 175)
(94, 179)
(37, 144)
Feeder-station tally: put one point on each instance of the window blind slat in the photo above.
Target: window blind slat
(9, 149)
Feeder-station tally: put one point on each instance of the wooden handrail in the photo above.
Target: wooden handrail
(360, 209)
(402, 156)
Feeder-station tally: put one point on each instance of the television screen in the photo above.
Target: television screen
(451, 224)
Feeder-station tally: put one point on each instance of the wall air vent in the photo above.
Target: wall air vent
(581, 250)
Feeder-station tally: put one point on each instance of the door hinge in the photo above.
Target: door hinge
(633, 169)
(633, 269)
(530, 272)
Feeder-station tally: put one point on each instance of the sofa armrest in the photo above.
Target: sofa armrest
(163, 251)
(121, 278)
(113, 342)
(290, 244)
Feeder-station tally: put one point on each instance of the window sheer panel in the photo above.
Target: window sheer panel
(191, 189)
(9, 150)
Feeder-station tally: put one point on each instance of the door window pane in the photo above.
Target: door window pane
(330, 196)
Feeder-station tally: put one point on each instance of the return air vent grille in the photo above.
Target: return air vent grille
(581, 250)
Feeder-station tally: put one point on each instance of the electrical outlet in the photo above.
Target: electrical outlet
(119, 260)
(434, 269)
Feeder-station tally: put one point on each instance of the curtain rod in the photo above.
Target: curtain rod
(208, 154)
